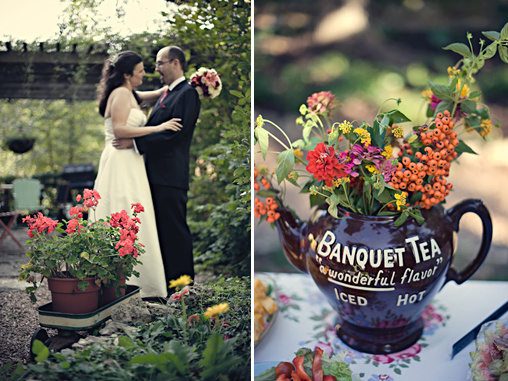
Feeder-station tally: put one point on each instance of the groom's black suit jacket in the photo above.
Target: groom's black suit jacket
(167, 152)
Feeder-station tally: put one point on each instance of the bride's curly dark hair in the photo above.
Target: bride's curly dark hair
(113, 75)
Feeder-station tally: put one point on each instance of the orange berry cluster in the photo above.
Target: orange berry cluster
(264, 181)
(268, 209)
(425, 170)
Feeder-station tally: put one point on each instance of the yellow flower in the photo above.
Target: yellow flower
(338, 182)
(184, 280)
(464, 89)
(398, 131)
(453, 72)
(303, 109)
(485, 127)
(427, 94)
(345, 127)
(388, 152)
(401, 200)
(364, 135)
(371, 167)
(217, 309)
(313, 190)
(260, 121)
(298, 153)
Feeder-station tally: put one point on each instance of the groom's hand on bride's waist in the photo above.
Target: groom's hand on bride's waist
(123, 143)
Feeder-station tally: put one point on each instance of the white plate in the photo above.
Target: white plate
(274, 294)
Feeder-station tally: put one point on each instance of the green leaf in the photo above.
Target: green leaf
(503, 53)
(504, 32)
(398, 117)
(39, 349)
(464, 148)
(459, 48)
(263, 140)
(285, 164)
(447, 105)
(475, 94)
(468, 106)
(490, 51)
(402, 218)
(492, 35)
(442, 92)
(236, 93)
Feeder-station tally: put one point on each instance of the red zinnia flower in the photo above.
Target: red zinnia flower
(324, 164)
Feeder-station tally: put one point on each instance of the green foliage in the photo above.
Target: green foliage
(158, 351)
(217, 33)
(84, 249)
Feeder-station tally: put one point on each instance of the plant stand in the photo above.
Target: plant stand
(68, 325)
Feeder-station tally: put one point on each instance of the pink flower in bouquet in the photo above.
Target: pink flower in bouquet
(207, 82)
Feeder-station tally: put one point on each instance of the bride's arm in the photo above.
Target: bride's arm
(120, 109)
(149, 97)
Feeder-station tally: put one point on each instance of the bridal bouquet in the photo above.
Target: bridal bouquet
(105, 250)
(376, 168)
(207, 82)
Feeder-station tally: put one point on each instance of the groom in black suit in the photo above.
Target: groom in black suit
(167, 162)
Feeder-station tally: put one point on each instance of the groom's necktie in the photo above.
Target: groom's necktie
(165, 94)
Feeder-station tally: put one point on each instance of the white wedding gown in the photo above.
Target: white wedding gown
(122, 181)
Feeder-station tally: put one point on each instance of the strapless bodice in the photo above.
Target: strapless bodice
(136, 118)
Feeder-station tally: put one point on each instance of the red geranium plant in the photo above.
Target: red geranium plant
(104, 250)
(376, 168)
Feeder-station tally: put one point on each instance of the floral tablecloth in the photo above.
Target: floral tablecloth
(305, 319)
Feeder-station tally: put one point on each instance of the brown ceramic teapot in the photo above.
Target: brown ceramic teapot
(379, 277)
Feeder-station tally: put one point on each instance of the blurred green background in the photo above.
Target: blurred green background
(366, 52)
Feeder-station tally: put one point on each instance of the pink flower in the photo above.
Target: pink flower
(78, 198)
(320, 102)
(193, 319)
(138, 208)
(73, 226)
(76, 211)
(179, 296)
(405, 354)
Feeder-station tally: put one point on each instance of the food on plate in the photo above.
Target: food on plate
(309, 365)
(264, 307)
(490, 360)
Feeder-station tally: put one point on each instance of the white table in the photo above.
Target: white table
(305, 319)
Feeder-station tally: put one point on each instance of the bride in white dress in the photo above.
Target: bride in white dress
(121, 179)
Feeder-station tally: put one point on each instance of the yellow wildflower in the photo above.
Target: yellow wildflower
(371, 167)
(400, 200)
(298, 153)
(398, 131)
(184, 280)
(427, 94)
(463, 88)
(453, 72)
(485, 127)
(364, 135)
(217, 309)
(388, 152)
(338, 182)
(260, 121)
(313, 190)
(345, 127)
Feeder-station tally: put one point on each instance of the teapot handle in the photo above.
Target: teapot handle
(456, 213)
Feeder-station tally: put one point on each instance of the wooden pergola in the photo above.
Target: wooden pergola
(52, 74)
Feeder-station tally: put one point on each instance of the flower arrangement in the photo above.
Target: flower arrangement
(104, 250)
(372, 168)
(207, 82)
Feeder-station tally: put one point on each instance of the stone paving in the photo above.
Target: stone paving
(11, 257)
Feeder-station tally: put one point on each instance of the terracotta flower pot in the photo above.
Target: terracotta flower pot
(66, 296)
(108, 292)
(379, 277)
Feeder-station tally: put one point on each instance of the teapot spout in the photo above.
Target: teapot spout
(290, 234)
